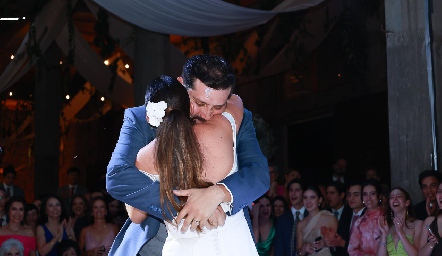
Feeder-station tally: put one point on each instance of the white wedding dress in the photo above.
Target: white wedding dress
(234, 238)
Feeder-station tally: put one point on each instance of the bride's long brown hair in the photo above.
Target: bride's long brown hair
(178, 157)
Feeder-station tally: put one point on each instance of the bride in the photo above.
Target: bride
(186, 155)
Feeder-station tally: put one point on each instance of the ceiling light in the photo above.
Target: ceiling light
(68, 97)
(106, 62)
(126, 66)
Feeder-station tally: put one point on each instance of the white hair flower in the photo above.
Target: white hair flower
(156, 111)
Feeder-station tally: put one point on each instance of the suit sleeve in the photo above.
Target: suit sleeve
(123, 180)
(252, 178)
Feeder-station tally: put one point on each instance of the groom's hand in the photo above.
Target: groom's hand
(217, 219)
(201, 204)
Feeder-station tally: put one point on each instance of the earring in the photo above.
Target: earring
(380, 200)
(363, 202)
(392, 214)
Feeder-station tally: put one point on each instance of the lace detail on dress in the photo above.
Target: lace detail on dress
(154, 177)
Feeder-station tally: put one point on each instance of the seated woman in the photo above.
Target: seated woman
(364, 239)
(15, 210)
(400, 230)
(97, 238)
(308, 232)
(430, 240)
(12, 247)
(262, 225)
(185, 155)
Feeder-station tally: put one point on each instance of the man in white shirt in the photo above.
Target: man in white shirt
(285, 230)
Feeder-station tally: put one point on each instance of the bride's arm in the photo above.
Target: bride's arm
(135, 215)
(143, 162)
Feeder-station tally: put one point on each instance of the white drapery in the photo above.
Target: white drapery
(180, 17)
(199, 18)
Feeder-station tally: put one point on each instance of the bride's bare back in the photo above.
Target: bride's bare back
(216, 141)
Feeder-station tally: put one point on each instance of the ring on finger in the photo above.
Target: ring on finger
(196, 221)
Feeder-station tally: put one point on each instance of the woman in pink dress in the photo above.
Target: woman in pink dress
(15, 210)
(97, 238)
(365, 237)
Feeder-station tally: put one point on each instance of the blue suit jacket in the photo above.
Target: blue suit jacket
(125, 183)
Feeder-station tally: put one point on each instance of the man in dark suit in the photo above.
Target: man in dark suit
(349, 215)
(428, 181)
(335, 195)
(72, 189)
(285, 231)
(9, 175)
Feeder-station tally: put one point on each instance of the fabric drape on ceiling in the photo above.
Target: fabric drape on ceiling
(200, 18)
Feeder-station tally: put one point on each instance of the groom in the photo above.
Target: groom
(201, 75)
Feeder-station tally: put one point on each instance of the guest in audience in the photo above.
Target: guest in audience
(400, 230)
(73, 188)
(263, 226)
(285, 229)
(340, 240)
(69, 248)
(428, 181)
(9, 175)
(430, 240)
(3, 200)
(79, 218)
(335, 198)
(290, 174)
(339, 170)
(98, 237)
(15, 209)
(274, 188)
(12, 247)
(279, 206)
(309, 237)
(117, 212)
(54, 226)
(31, 216)
(364, 239)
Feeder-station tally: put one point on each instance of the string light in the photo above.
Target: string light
(106, 62)
(10, 93)
(68, 97)
(102, 98)
(339, 75)
(126, 66)
(61, 62)
(9, 18)
(12, 57)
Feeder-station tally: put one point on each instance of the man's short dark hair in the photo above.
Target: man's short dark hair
(74, 169)
(339, 186)
(9, 169)
(429, 173)
(212, 70)
(300, 182)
